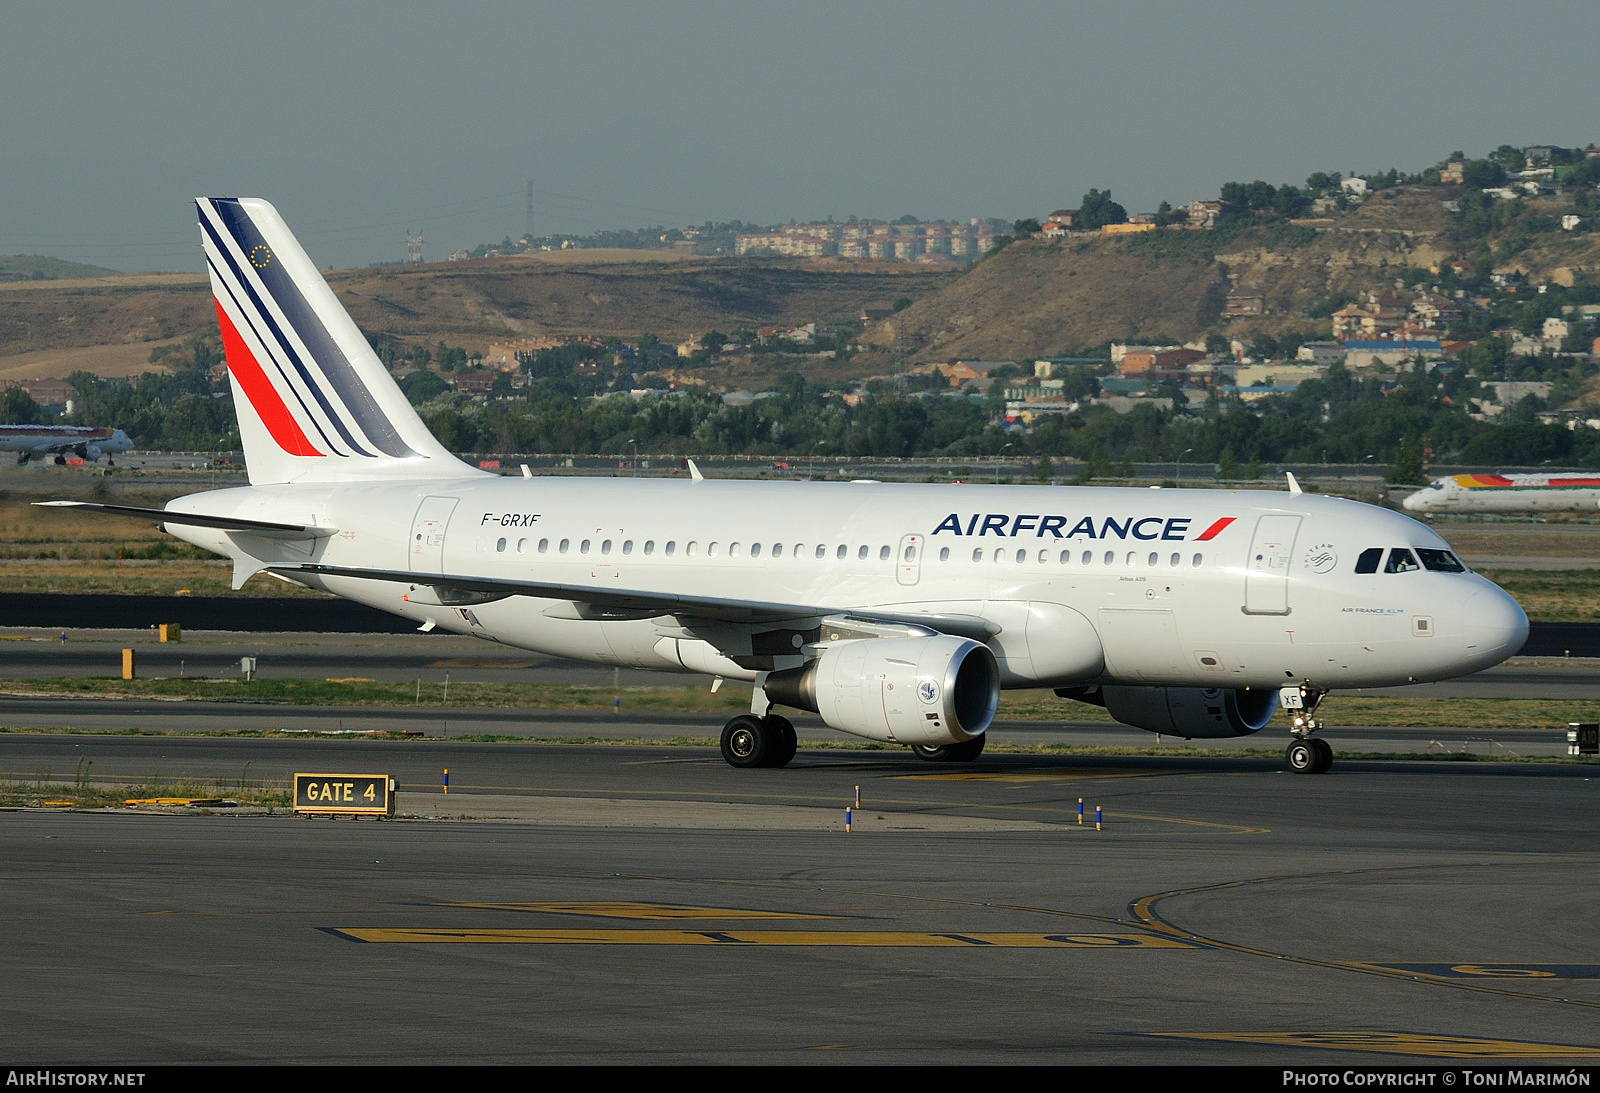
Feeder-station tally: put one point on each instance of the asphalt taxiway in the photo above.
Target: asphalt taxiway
(651, 904)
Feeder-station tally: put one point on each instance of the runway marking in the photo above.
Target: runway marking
(1394, 1042)
(642, 912)
(772, 938)
(1144, 911)
(462, 662)
(1492, 971)
(1023, 776)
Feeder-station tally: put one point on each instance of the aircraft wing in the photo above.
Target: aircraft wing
(453, 589)
(267, 528)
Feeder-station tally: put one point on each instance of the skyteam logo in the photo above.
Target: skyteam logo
(1042, 525)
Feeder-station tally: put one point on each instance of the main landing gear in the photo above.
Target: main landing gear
(964, 752)
(1305, 754)
(751, 741)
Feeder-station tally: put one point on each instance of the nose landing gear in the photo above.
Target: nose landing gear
(1305, 754)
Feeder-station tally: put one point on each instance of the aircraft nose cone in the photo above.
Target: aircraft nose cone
(1413, 503)
(1493, 625)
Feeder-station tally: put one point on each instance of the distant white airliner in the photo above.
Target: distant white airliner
(896, 611)
(1508, 493)
(86, 442)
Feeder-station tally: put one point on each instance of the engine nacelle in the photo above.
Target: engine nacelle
(918, 690)
(1194, 713)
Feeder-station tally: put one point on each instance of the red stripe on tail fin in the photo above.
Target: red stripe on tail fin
(259, 390)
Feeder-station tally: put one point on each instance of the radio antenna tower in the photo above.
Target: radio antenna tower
(414, 248)
(528, 227)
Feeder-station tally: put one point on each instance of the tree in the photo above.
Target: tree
(1321, 182)
(1098, 210)
(1025, 227)
(18, 408)
(1482, 173)
(1509, 158)
(423, 386)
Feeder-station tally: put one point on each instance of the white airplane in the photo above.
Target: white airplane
(84, 441)
(897, 612)
(1508, 493)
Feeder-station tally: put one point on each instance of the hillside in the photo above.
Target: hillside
(37, 267)
(46, 327)
(473, 303)
(1044, 297)
(1036, 297)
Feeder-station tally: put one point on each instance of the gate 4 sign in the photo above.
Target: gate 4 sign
(369, 794)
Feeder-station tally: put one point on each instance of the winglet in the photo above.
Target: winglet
(694, 471)
(1294, 487)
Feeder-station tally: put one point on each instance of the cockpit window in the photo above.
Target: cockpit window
(1400, 561)
(1440, 561)
(1368, 562)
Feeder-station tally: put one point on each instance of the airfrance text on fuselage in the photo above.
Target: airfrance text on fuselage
(1007, 525)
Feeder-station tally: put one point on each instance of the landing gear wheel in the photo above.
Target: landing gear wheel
(1301, 756)
(964, 752)
(746, 741)
(783, 740)
(1324, 752)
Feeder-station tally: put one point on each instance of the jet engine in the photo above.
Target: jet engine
(916, 690)
(1205, 713)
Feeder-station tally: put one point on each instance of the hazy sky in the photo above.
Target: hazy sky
(361, 121)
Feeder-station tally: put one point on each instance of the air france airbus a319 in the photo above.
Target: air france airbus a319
(897, 612)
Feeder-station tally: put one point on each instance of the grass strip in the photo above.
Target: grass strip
(1365, 709)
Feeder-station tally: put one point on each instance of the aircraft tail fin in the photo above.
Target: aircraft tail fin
(314, 402)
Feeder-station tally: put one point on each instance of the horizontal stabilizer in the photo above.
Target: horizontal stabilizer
(267, 528)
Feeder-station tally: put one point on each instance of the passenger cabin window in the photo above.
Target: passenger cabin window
(500, 545)
(944, 554)
(1440, 561)
(1368, 562)
(1400, 561)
